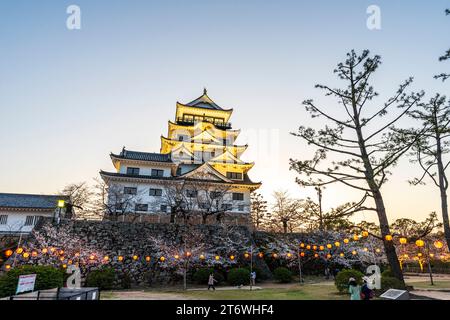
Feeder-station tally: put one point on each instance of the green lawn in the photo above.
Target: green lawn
(427, 285)
(306, 292)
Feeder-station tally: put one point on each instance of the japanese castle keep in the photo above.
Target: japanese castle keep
(198, 174)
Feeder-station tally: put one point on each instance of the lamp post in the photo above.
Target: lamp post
(61, 204)
(251, 266)
(420, 243)
(299, 265)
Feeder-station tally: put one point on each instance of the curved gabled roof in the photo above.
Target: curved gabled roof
(205, 102)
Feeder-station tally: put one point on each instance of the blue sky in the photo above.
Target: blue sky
(70, 97)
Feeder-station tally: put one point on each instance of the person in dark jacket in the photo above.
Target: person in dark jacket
(366, 292)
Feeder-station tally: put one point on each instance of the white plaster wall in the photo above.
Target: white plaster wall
(16, 220)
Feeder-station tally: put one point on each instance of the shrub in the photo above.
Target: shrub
(282, 275)
(101, 278)
(260, 275)
(239, 276)
(201, 276)
(391, 283)
(125, 281)
(342, 277)
(387, 273)
(47, 277)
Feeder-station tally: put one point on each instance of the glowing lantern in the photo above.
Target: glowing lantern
(26, 255)
(337, 244)
(346, 241)
(92, 257)
(69, 262)
(147, 258)
(403, 240)
(366, 249)
(77, 254)
(308, 247)
(120, 258)
(202, 257)
(365, 234)
(388, 237)
(405, 256)
(45, 250)
(321, 248)
(8, 253)
(353, 252)
(188, 254)
(64, 266)
(162, 259)
(420, 243)
(342, 254)
(105, 258)
(431, 255)
(52, 250)
(314, 247)
(61, 258)
(329, 256)
(378, 250)
(61, 252)
(329, 246)
(7, 267)
(419, 254)
(231, 257)
(316, 255)
(217, 258)
(438, 244)
(355, 237)
(302, 245)
(289, 255)
(34, 253)
(442, 257)
(19, 250)
(302, 254)
(275, 255)
(177, 257)
(261, 255)
(135, 257)
(246, 255)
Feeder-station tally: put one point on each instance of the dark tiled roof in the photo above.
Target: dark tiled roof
(143, 156)
(34, 201)
(114, 174)
(204, 102)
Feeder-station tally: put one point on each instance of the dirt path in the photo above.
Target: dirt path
(142, 295)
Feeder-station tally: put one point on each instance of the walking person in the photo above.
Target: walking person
(366, 292)
(211, 282)
(354, 289)
(253, 278)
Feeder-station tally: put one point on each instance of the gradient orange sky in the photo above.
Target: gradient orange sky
(69, 98)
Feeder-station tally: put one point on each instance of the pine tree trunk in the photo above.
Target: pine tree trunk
(443, 190)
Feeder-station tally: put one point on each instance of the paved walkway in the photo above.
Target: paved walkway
(226, 288)
(432, 294)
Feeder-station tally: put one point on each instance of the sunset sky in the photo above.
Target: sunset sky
(70, 97)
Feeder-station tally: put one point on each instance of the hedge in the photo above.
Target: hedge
(343, 276)
(239, 276)
(201, 276)
(101, 278)
(47, 277)
(282, 275)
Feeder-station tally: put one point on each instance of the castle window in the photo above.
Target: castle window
(241, 207)
(191, 193)
(157, 173)
(234, 175)
(163, 208)
(133, 171)
(238, 196)
(182, 137)
(227, 207)
(29, 220)
(3, 219)
(215, 194)
(130, 190)
(141, 207)
(155, 192)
